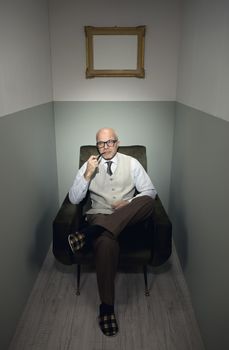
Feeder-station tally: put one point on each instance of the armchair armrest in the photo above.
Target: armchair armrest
(66, 221)
(162, 236)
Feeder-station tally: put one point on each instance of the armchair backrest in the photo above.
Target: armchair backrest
(136, 151)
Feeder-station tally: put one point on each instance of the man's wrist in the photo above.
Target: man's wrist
(87, 177)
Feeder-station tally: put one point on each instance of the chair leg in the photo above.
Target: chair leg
(78, 279)
(146, 280)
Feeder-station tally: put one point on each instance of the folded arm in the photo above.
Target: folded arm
(80, 186)
(142, 180)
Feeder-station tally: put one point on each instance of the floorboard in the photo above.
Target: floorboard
(55, 318)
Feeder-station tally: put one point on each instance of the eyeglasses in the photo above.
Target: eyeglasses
(109, 143)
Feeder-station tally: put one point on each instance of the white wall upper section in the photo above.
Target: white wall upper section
(67, 20)
(203, 81)
(25, 73)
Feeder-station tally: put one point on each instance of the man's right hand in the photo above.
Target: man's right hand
(92, 164)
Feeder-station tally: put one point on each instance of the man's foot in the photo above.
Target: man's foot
(76, 241)
(108, 324)
(107, 320)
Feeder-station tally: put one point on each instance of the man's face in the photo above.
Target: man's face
(107, 143)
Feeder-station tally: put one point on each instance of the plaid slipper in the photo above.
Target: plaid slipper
(76, 241)
(108, 325)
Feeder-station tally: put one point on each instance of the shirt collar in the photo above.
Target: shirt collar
(114, 160)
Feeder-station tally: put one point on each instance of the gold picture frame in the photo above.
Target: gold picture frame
(125, 45)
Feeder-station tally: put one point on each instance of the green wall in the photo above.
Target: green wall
(28, 203)
(200, 214)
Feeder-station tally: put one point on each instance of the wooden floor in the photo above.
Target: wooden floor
(56, 319)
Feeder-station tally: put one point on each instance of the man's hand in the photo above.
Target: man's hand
(92, 164)
(119, 204)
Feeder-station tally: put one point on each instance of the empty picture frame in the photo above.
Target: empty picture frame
(115, 51)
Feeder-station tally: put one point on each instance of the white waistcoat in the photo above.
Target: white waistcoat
(105, 189)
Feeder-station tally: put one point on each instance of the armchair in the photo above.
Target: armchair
(155, 245)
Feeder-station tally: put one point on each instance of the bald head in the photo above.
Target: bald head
(108, 133)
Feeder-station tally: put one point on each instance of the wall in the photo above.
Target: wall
(200, 168)
(199, 212)
(77, 119)
(28, 177)
(203, 81)
(25, 77)
(67, 22)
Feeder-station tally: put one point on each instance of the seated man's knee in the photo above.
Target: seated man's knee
(106, 242)
(145, 201)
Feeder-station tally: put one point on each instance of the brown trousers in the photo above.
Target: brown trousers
(106, 246)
